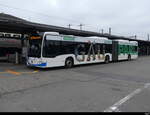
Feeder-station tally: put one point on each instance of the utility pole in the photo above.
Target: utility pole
(148, 37)
(110, 31)
(81, 25)
(102, 31)
(148, 46)
(135, 36)
(69, 26)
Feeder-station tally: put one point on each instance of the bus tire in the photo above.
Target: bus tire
(107, 59)
(129, 57)
(69, 63)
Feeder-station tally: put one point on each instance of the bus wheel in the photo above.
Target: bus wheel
(107, 59)
(129, 58)
(69, 63)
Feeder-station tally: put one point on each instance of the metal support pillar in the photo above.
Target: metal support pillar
(17, 58)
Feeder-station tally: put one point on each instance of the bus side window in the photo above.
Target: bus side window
(126, 49)
(121, 49)
(95, 48)
(131, 49)
(87, 48)
(81, 49)
(108, 48)
(136, 49)
(101, 48)
(67, 47)
(98, 48)
(51, 48)
(104, 48)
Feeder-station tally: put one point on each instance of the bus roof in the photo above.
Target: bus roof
(95, 37)
(72, 38)
(52, 33)
(134, 43)
(126, 42)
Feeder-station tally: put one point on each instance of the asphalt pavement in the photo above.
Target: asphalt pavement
(114, 87)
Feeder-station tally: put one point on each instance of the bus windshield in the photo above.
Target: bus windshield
(51, 47)
(34, 49)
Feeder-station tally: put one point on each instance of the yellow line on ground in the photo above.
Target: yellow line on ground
(30, 72)
(13, 72)
(2, 72)
(18, 73)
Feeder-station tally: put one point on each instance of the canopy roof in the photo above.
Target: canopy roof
(9, 23)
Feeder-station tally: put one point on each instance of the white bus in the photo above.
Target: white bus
(50, 49)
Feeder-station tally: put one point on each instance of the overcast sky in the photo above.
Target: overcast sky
(125, 17)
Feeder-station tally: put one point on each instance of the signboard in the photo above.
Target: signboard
(35, 38)
(10, 35)
(6, 42)
(10, 40)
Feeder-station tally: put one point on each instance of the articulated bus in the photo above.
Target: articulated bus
(50, 49)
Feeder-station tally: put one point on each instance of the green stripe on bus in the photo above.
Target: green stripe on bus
(69, 38)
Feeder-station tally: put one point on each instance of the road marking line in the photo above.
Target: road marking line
(30, 72)
(13, 72)
(18, 73)
(115, 107)
(2, 72)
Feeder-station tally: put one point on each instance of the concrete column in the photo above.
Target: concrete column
(147, 50)
(17, 58)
